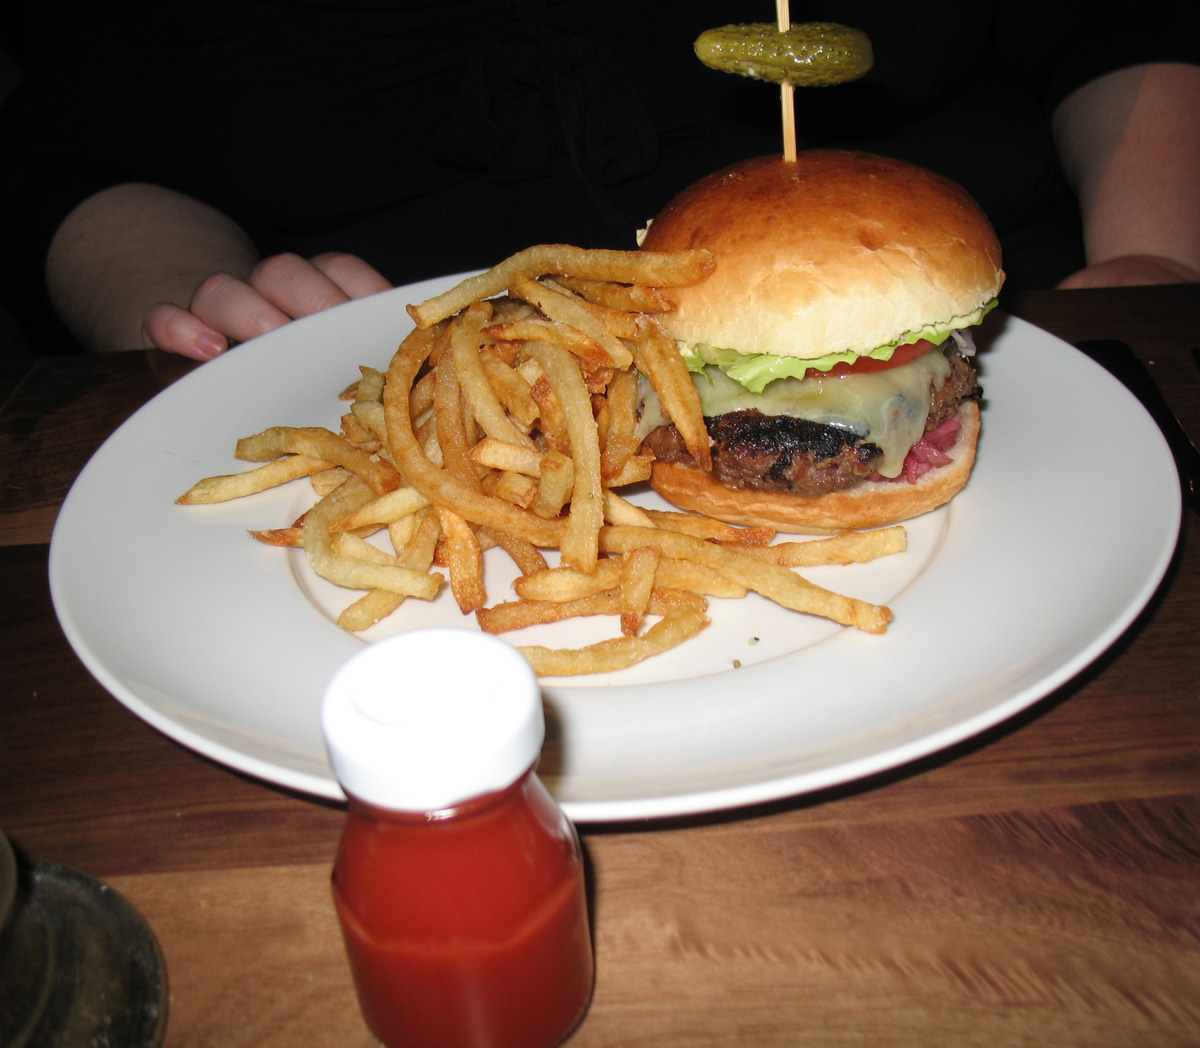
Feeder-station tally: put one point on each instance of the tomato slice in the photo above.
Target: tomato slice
(862, 365)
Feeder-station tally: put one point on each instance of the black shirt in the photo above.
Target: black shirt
(432, 137)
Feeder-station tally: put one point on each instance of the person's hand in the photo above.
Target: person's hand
(1132, 271)
(225, 310)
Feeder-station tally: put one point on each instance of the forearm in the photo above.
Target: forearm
(130, 247)
(1130, 146)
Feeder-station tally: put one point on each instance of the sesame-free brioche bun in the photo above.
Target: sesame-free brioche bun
(834, 251)
(870, 504)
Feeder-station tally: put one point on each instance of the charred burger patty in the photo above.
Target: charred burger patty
(763, 452)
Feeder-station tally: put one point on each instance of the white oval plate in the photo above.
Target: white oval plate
(226, 645)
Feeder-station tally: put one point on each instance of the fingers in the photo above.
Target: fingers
(236, 309)
(295, 285)
(300, 287)
(351, 274)
(173, 329)
(279, 289)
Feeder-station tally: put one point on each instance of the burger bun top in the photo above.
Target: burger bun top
(834, 251)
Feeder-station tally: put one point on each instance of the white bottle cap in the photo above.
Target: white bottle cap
(428, 719)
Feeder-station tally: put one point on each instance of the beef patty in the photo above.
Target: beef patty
(783, 453)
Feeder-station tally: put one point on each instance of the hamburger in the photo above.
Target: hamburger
(831, 346)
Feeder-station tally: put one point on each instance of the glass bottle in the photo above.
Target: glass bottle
(458, 881)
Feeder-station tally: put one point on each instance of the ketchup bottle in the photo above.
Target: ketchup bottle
(459, 881)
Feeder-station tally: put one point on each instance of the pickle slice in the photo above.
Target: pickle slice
(810, 54)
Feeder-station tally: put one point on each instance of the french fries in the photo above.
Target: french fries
(251, 481)
(608, 656)
(507, 420)
(656, 269)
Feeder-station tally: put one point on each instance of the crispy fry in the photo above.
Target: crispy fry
(657, 269)
(512, 487)
(630, 298)
(616, 322)
(550, 412)
(251, 481)
(435, 484)
(473, 379)
(415, 551)
(850, 547)
(498, 454)
(620, 511)
(591, 353)
(527, 557)
(636, 470)
(464, 558)
(372, 607)
(689, 577)
(511, 388)
(567, 310)
(658, 358)
(415, 542)
(451, 426)
(402, 530)
(521, 614)
(369, 389)
(421, 397)
(618, 450)
(565, 584)
(562, 584)
(773, 581)
(383, 510)
(621, 440)
(358, 433)
(369, 415)
(618, 653)
(349, 571)
(580, 538)
(556, 481)
(330, 480)
(367, 407)
(348, 544)
(293, 536)
(322, 444)
(597, 384)
(637, 581)
(709, 528)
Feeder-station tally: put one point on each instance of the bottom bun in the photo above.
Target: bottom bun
(868, 505)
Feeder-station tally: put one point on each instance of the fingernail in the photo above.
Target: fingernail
(209, 346)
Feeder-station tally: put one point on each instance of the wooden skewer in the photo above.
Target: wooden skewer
(787, 90)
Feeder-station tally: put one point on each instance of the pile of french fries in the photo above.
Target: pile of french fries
(507, 419)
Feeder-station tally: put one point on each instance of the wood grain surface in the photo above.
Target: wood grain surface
(1037, 885)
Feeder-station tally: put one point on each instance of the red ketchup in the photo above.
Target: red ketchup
(459, 881)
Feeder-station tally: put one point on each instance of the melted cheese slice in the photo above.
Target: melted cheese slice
(888, 408)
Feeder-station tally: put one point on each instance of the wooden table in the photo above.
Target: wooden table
(1036, 886)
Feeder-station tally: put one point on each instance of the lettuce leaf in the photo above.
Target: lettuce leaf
(756, 370)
